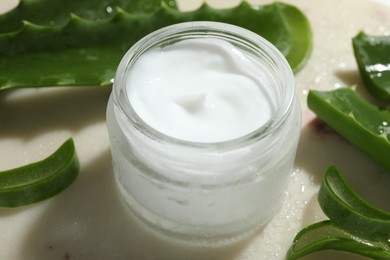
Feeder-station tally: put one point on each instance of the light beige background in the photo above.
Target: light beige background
(88, 221)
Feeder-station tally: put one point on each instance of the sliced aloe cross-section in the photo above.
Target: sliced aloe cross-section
(372, 54)
(361, 123)
(39, 180)
(354, 225)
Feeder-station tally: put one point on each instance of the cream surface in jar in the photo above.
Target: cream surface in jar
(200, 90)
(204, 124)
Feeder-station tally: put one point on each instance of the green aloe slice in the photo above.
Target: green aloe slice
(327, 236)
(354, 226)
(372, 54)
(362, 124)
(85, 49)
(349, 211)
(39, 180)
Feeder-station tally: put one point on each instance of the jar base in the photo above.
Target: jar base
(190, 235)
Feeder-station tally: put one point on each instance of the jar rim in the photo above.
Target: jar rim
(206, 29)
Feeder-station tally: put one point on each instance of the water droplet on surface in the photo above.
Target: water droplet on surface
(384, 128)
(373, 42)
(337, 85)
(317, 79)
(109, 9)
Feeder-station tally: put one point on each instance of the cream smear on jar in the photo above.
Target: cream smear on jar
(200, 90)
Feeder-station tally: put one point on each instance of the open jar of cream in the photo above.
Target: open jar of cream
(204, 125)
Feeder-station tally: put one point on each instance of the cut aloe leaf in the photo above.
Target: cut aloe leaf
(328, 236)
(372, 54)
(362, 124)
(354, 226)
(40, 180)
(349, 211)
(80, 49)
(55, 12)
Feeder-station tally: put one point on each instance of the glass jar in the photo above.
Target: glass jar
(205, 191)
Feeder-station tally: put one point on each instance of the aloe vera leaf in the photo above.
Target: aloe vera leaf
(372, 54)
(40, 180)
(326, 235)
(362, 124)
(349, 211)
(57, 12)
(85, 52)
(299, 46)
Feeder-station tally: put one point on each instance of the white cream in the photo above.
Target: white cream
(200, 90)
